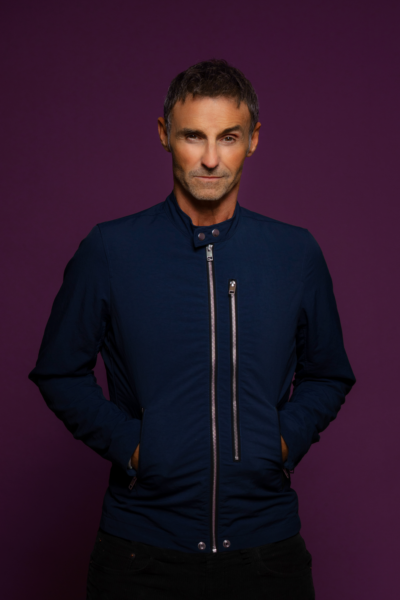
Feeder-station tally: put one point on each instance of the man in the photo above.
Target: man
(203, 311)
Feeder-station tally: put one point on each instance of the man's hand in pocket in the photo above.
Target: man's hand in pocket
(135, 458)
(285, 450)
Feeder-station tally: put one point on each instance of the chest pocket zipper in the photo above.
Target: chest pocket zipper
(234, 369)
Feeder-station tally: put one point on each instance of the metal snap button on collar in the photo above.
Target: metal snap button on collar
(215, 232)
(201, 236)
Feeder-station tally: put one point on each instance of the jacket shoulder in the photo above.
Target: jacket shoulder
(135, 219)
(278, 228)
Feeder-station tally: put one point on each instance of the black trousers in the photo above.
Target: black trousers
(120, 569)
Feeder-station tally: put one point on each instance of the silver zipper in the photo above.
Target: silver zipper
(234, 383)
(210, 265)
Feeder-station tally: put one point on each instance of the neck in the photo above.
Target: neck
(206, 212)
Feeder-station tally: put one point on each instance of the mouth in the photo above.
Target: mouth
(207, 178)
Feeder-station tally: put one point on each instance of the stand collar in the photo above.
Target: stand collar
(222, 231)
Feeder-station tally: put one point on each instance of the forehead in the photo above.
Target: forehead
(209, 113)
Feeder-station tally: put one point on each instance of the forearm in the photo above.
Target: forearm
(323, 375)
(80, 404)
(311, 408)
(77, 327)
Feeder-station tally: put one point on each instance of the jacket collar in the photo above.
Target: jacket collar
(185, 224)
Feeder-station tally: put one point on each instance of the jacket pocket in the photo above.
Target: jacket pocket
(278, 428)
(140, 461)
(261, 461)
(136, 477)
(156, 461)
(274, 478)
(284, 472)
(232, 290)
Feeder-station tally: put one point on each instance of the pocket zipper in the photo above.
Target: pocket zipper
(234, 369)
(287, 472)
(132, 483)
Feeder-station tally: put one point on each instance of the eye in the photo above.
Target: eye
(229, 138)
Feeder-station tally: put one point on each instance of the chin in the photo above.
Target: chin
(207, 194)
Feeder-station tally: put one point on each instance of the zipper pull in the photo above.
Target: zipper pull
(209, 251)
(132, 483)
(232, 286)
(288, 472)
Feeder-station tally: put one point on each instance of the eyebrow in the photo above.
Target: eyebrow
(188, 131)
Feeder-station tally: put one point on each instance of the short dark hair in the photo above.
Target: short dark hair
(211, 78)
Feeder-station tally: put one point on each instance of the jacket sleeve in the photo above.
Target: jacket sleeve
(323, 374)
(73, 336)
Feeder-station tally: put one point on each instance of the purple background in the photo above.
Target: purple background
(82, 86)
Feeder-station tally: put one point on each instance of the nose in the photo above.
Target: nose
(210, 158)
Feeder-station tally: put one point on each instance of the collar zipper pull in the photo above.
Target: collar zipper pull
(232, 287)
(209, 252)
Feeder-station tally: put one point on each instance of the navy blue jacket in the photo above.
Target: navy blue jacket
(201, 330)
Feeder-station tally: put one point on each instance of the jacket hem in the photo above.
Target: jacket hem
(264, 535)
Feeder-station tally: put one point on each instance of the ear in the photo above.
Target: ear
(254, 139)
(162, 132)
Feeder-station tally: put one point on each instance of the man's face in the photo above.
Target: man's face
(209, 141)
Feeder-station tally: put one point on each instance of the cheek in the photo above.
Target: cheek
(187, 158)
(233, 158)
